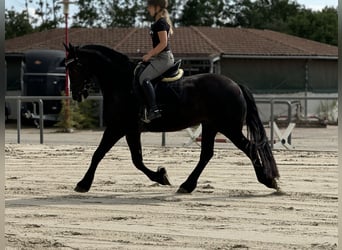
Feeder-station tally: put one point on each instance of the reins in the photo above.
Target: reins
(70, 61)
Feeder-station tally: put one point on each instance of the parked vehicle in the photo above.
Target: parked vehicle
(35, 73)
(44, 75)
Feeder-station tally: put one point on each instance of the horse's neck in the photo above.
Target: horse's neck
(113, 70)
(116, 81)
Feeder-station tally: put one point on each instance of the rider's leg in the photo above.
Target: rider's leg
(150, 97)
(158, 65)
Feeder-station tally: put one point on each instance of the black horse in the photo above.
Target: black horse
(214, 101)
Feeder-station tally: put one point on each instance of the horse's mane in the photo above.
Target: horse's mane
(116, 61)
(113, 55)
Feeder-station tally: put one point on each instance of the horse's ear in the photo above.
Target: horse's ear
(71, 47)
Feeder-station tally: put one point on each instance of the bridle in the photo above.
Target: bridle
(70, 61)
(83, 92)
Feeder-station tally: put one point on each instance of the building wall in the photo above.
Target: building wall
(283, 75)
(271, 78)
(323, 76)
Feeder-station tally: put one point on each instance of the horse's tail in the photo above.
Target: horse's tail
(257, 135)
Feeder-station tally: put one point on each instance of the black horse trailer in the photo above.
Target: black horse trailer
(44, 75)
(14, 81)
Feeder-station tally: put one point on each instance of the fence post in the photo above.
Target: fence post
(41, 120)
(101, 112)
(163, 139)
(272, 120)
(18, 120)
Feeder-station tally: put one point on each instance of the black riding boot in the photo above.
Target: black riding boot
(150, 97)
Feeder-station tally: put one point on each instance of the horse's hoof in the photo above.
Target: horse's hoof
(165, 178)
(80, 189)
(270, 183)
(182, 191)
(279, 192)
(275, 185)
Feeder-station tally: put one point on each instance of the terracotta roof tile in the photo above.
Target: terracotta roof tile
(294, 43)
(186, 42)
(238, 41)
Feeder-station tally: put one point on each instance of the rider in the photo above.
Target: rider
(160, 56)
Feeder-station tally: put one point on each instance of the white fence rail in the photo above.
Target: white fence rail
(40, 100)
(288, 101)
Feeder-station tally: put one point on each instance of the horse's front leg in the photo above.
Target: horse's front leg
(109, 138)
(134, 143)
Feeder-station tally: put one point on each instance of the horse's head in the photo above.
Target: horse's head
(79, 73)
(96, 63)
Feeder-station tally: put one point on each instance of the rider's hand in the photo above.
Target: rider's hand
(146, 58)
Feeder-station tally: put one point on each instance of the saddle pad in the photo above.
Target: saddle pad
(175, 78)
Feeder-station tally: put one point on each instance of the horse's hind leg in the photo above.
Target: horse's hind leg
(249, 149)
(207, 152)
(109, 138)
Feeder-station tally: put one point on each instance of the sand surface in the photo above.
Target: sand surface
(124, 210)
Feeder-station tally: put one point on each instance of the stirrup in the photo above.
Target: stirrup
(151, 115)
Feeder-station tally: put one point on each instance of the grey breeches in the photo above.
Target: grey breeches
(158, 65)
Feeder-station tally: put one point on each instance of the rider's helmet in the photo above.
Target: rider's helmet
(161, 3)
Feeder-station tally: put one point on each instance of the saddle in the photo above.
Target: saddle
(171, 75)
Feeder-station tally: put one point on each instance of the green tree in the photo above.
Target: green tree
(108, 13)
(122, 13)
(285, 16)
(320, 26)
(265, 14)
(16, 24)
(175, 8)
(89, 14)
(74, 115)
(49, 13)
(288, 17)
(204, 13)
